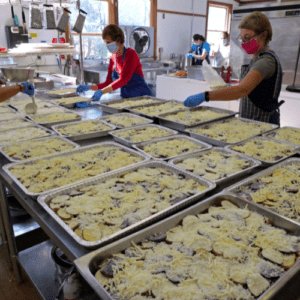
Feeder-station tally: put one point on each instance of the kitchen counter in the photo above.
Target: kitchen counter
(180, 88)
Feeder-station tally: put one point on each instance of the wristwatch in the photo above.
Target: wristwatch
(206, 94)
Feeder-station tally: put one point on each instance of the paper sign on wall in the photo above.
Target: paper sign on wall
(33, 35)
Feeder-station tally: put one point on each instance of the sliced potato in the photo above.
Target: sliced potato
(63, 214)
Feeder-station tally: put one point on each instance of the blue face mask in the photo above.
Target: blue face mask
(224, 41)
(112, 47)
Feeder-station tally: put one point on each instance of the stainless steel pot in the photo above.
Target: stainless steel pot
(17, 74)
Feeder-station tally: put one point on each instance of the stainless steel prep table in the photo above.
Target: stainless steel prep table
(36, 260)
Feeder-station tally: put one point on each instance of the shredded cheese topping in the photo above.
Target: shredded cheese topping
(160, 108)
(49, 173)
(5, 110)
(142, 134)
(214, 255)
(279, 191)
(61, 92)
(125, 120)
(190, 117)
(43, 107)
(97, 211)
(214, 165)
(33, 149)
(21, 134)
(9, 116)
(55, 117)
(70, 100)
(171, 147)
(6, 125)
(128, 103)
(266, 150)
(290, 135)
(83, 127)
(231, 130)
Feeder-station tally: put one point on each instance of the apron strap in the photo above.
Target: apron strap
(116, 58)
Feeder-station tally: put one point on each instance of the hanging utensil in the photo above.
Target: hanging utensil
(25, 31)
(63, 20)
(14, 28)
(80, 21)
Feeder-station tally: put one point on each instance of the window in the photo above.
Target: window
(134, 12)
(219, 16)
(92, 44)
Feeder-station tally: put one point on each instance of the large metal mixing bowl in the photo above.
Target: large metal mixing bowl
(17, 74)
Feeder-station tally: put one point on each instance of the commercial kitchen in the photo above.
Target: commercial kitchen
(123, 175)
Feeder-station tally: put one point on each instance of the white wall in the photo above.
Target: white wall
(174, 34)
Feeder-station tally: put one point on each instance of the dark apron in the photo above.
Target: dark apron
(135, 87)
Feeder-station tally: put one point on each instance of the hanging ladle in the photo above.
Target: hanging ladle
(31, 108)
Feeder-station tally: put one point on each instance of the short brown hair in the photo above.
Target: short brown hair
(115, 32)
(258, 22)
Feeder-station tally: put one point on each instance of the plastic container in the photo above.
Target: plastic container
(212, 77)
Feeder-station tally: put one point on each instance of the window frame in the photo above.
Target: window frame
(113, 19)
(228, 8)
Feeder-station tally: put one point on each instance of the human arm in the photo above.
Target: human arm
(228, 93)
(10, 91)
(201, 57)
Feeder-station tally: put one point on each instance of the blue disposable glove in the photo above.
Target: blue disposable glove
(82, 88)
(82, 104)
(194, 100)
(29, 89)
(189, 55)
(97, 95)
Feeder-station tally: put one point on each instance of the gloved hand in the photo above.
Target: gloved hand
(82, 88)
(194, 100)
(82, 104)
(29, 89)
(189, 55)
(97, 95)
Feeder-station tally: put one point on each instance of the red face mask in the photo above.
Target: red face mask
(251, 47)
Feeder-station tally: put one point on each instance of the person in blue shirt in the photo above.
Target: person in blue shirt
(199, 50)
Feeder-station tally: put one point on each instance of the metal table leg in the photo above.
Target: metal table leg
(9, 233)
(4, 242)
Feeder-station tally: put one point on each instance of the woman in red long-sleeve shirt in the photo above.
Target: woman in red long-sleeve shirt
(124, 70)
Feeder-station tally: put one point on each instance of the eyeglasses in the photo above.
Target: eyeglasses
(246, 40)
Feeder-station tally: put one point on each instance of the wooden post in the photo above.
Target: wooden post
(113, 12)
(153, 23)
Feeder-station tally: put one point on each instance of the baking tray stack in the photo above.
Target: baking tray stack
(255, 179)
(272, 135)
(66, 94)
(73, 104)
(50, 124)
(266, 163)
(140, 146)
(42, 140)
(133, 110)
(47, 131)
(128, 143)
(88, 265)
(231, 177)
(45, 199)
(143, 120)
(165, 121)
(219, 143)
(114, 110)
(84, 136)
(8, 167)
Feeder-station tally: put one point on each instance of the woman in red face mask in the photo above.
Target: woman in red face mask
(260, 85)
